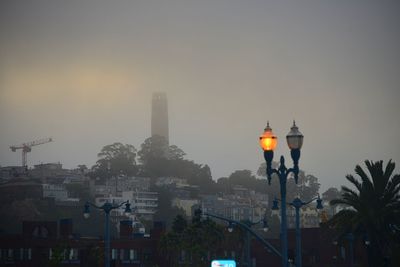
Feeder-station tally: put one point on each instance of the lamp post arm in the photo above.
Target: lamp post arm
(287, 203)
(244, 226)
(107, 207)
(94, 205)
(295, 171)
(271, 172)
(120, 205)
(308, 202)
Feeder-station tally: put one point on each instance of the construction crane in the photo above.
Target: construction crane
(27, 147)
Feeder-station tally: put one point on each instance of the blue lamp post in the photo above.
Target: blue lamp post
(268, 142)
(297, 204)
(107, 208)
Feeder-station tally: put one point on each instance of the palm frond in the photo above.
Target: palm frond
(366, 182)
(354, 181)
(389, 170)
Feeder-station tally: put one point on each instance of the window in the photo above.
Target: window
(73, 254)
(133, 255)
(10, 254)
(29, 254)
(342, 252)
(21, 254)
(182, 255)
(114, 254)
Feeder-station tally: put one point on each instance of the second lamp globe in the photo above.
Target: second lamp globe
(294, 138)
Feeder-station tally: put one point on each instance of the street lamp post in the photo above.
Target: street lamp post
(268, 142)
(107, 208)
(297, 203)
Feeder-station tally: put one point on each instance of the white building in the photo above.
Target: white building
(145, 204)
(58, 192)
(167, 181)
(309, 217)
(116, 185)
(185, 204)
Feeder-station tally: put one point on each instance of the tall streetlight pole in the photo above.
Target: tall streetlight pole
(297, 203)
(268, 142)
(107, 208)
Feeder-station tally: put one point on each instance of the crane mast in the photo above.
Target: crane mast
(27, 147)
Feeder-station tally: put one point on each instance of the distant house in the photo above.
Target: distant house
(58, 192)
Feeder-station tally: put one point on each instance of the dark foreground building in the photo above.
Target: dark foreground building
(51, 244)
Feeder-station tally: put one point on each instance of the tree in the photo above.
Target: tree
(179, 225)
(373, 209)
(156, 156)
(175, 153)
(165, 211)
(195, 239)
(331, 194)
(307, 186)
(152, 148)
(115, 159)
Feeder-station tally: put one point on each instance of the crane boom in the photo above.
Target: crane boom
(27, 147)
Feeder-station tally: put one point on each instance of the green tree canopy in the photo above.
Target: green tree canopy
(158, 159)
(157, 147)
(155, 156)
(115, 159)
(331, 194)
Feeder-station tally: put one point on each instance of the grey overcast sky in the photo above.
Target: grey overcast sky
(83, 72)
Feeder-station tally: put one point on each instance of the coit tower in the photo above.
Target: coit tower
(159, 115)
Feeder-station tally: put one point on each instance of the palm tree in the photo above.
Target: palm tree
(373, 210)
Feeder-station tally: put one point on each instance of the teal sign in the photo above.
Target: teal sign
(223, 263)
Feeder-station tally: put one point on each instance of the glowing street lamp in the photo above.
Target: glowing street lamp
(268, 139)
(268, 142)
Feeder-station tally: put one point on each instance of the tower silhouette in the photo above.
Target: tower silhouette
(159, 116)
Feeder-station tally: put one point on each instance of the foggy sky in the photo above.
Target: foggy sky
(83, 72)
